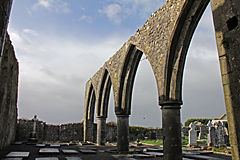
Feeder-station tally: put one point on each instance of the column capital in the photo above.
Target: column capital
(171, 104)
(122, 115)
(101, 117)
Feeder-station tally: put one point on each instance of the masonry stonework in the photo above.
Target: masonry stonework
(8, 94)
(164, 39)
(5, 9)
(226, 15)
(48, 132)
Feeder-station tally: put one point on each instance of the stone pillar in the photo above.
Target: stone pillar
(88, 131)
(227, 28)
(172, 143)
(122, 133)
(101, 131)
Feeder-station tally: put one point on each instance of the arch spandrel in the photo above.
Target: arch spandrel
(164, 39)
(153, 39)
(114, 67)
(96, 82)
(87, 93)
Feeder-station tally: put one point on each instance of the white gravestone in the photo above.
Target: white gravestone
(192, 135)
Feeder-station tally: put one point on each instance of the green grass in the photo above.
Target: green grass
(160, 142)
(153, 142)
(185, 143)
(221, 149)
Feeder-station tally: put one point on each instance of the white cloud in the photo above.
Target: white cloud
(141, 7)
(52, 5)
(54, 70)
(123, 8)
(112, 11)
(31, 32)
(85, 18)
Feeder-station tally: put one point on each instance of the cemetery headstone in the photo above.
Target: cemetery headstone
(33, 134)
(192, 140)
(201, 134)
(211, 134)
(220, 134)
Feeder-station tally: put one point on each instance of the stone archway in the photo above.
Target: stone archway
(102, 108)
(164, 39)
(88, 118)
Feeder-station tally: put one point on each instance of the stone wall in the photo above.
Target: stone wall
(5, 9)
(74, 132)
(134, 134)
(48, 132)
(8, 93)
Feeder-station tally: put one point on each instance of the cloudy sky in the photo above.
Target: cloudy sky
(60, 44)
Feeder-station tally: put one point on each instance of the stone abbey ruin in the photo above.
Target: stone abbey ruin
(164, 39)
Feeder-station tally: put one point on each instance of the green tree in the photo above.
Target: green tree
(202, 120)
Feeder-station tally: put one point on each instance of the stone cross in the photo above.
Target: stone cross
(220, 134)
(192, 135)
(201, 134)
(33, 136)
(34, 123)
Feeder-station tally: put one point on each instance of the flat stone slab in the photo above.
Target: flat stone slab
(48, 150)
(69, 151)
(111, 151)
(18, 143)
(153, 150)
(47, 158)
(12, 159)
(17, 155)
(55, 145)
(141, 156)
(189, 152)
(87, 151)
(201, 157)
(40, 145)
(157, 154)
(202, 152)
(73, 158)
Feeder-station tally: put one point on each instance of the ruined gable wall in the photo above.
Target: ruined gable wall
(5, 9)
(8, 94)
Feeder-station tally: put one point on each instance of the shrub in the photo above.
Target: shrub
(202, 120)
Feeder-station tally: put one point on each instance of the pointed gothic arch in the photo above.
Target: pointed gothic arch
(165, 39)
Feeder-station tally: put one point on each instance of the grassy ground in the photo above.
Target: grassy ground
(185, 144)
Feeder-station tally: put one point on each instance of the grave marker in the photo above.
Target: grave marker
(48, 151)
(69, 151)
(73, 158)
(33, 135)
(192, 135)
(17, 154)
(47, 158)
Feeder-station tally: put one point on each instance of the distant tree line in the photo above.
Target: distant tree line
(202, 120)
